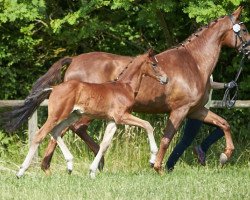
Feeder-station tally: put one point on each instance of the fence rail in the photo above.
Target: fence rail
(32, 123)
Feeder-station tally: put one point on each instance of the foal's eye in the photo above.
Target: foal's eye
(154, 64)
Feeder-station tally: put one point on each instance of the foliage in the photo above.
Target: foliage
(36, 33)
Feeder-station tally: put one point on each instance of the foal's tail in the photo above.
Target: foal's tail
(12, 120)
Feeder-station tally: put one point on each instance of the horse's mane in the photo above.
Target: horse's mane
(199, 32)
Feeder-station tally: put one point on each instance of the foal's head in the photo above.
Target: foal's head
(237, 35)
(151, 68)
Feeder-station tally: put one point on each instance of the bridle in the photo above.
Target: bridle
(237, 31)
(231, 94)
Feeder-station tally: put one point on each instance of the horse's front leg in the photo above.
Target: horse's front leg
(209, 117)
(175, 119)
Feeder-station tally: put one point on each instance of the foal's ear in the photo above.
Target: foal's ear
(237, 12)
(151, 55)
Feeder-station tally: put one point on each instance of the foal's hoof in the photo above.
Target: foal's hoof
(19, 174)
(92, 174)
(70, 167)
(151, 165)
(223, 158)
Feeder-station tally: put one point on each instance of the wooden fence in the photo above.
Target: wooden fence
(32, 123)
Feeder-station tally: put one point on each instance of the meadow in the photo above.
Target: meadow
(127, 174)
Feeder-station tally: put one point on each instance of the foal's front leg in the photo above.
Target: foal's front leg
(108, 135)
(135, 121)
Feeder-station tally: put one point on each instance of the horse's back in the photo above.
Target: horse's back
(96, 67)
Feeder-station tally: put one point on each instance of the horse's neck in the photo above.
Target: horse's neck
(132, 76)
(205, 49)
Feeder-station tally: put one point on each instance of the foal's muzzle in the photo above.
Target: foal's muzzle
(163, 79)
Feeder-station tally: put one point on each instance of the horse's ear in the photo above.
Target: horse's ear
(237, 12)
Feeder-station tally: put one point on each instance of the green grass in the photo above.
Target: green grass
(126, 174)
(184, 183)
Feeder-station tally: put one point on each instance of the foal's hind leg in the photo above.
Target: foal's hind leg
(40, 135)
(108, 135)
(209, 117)
(135, 121)
(45, 164)
(56, 134)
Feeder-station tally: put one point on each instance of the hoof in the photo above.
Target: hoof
(92, 174)
(159, 170)
(223, 158)
(19, 174)
(70, 167)
(151, 165)
(47, 172)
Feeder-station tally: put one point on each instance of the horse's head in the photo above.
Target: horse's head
(151, 68)
(237, 35)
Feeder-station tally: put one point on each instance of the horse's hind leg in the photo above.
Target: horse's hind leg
(108, 135)
(40, 135)
(135, 121)
(209, 117)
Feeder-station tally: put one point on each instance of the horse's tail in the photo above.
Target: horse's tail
(41, 90)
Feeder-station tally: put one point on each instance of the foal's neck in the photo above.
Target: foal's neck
(132, 76)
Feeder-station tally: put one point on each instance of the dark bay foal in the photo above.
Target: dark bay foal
(113, 101)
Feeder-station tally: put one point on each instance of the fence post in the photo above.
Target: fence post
(32, 129)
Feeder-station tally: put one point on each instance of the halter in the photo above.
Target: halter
(231, 94)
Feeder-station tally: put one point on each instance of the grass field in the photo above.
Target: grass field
(127, 174)
(184, 183)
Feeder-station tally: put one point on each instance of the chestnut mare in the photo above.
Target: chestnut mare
(188, 68)
(113, 101)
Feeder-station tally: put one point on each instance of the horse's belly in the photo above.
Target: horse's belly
(151, 98)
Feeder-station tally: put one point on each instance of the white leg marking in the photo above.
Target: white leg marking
(27, 161)
(56, 134)
(107, 138)
(152, 143)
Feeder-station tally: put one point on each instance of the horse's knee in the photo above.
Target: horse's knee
(164, 143)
